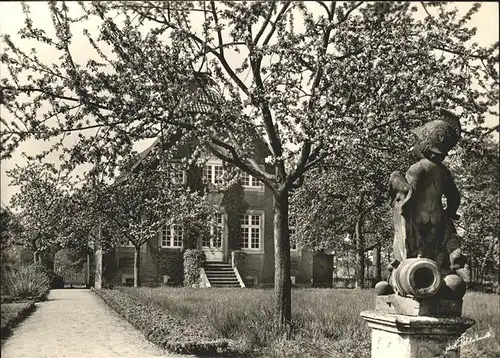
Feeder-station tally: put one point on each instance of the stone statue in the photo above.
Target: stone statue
(428, 262)
(418, 311)
(423, 227)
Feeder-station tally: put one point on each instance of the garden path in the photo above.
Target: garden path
(76, 323)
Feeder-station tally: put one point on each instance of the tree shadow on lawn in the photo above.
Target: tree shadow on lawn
(13, 319)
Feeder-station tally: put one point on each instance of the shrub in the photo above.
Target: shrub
(55, 280)
(193, 262)
(162, 329)
(27, 282)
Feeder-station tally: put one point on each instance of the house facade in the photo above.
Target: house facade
(243, 227)
(242, 235)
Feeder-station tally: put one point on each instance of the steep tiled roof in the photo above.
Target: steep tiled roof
(203, 100)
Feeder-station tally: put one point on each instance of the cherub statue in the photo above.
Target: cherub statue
(423, 227)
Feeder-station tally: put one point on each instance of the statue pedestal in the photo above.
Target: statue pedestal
(401, 336)
(409, 306)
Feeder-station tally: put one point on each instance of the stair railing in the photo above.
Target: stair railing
(204, 282)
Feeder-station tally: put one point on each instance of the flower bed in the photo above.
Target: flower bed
(12, 314)
(160, 328)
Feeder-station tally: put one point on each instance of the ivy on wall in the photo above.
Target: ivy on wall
(235, 206)
(169, 262)
(110, 276)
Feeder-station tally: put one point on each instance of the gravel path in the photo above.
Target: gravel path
(77, 323)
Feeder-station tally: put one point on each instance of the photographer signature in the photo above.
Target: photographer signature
(463, 340)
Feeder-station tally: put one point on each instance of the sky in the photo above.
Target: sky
(12, 19)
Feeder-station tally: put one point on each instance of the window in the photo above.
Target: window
(171, 236)
(216, 233)
(251, 231)
(213, 172)
(218, 172)
(249, 181)
(125, 262)
(177, 174)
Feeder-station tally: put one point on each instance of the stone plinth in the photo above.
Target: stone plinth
(409, 306)
(401, 336)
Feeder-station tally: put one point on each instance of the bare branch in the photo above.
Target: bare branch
(313, 163)
(264, 25)
(491, 130)
(252, 161)
(28, 89)
(425, 9)
(322, 4)
(455, 52)
(346, 15)
(276, 21)
(236, 160)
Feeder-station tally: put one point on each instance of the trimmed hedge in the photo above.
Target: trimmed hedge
(193, 262)
(170, 262)
(160, 328)
(12, 314)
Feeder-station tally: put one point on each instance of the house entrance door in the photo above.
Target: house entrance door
(213, 245)
(213, 253)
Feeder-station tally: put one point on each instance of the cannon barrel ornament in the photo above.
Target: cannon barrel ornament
(418, 277)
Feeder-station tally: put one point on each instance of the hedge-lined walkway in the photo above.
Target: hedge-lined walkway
(76, 323)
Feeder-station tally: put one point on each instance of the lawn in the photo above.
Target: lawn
(12, 314)
(326, 322)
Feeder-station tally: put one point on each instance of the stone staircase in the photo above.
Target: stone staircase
(221, 274)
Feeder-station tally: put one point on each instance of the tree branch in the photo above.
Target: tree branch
(315, 161)
(203, 44)
(491, 130)
(275, 23)
(238, 162)
(322, 4)
(28, 89)
(264, 25)
(455, 52)
(346, 15)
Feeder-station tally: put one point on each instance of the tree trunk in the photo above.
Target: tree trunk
(98, 266)
(87, 279)
(360, 256)
(282, 280)
(377, 263)
(489, 253)
(137, 264)
(35, 257)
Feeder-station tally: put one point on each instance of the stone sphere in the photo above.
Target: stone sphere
(383, 288)
(455, 285)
